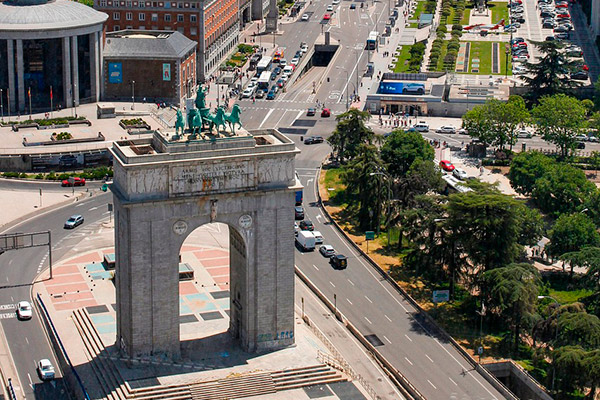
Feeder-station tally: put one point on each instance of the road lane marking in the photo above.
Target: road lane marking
(30, 381)
(80, 204)
(93, 208)
(27, 340)
(266, 117)
(331, 283)
(431, 384)
(429, 358)
(370, 301)
(7, 307)
(388, 340)
(388, 318)
(317, 268)
(368, 321)
(350, 282)
(349, 301)
(452, 380)
(7, 315)
(408, 337)
(410, 362)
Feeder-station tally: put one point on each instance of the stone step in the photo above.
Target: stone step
(284, 379)
(300, 370)
(171, 392)
(313, 375)
(243, 386)
(297, 385)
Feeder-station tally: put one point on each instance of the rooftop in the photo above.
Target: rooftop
(147, 44)
(35, 15)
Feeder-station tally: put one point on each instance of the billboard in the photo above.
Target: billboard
(166, 74)
(115, 73)
(401, 88)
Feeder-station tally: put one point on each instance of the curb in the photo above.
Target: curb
(7, 369)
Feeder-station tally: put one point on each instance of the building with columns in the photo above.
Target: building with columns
(50, 52)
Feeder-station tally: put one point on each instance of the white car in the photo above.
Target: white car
(318, 237)
(521, 58)
(248, 93)
(593, 139)
(335, 2)
(327, 250)
(459, 174)
(524, 134)
(295, 61)
(446, 129)
(304, 48)
(421, 126)
(519, 70)
(24, 310)
(330, 8)
(45, 369)
(305, 17)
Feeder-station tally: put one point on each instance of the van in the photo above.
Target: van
(306, 240)
(288, 69)
(318, 237)
(421, 126)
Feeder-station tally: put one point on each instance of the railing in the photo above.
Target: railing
(11, 390)
(46, 316)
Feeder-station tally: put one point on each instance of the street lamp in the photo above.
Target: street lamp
(133, 95)
(555, 336)
(2, 106)
(389, 180)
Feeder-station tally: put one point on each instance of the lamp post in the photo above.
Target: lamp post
(389, 180)
(133, 95)
(2, 106)
(555, 337)
(347, 81)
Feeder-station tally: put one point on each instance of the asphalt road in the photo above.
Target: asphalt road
(19, 268)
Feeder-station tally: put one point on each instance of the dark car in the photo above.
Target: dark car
(311, 112)
(519, 19)
(273, 76)
(339, 261)
(580, 145)
(307, 225)
(280, 83)
(313, 140)
(299, 212)
(517, 40)
(579, 75)
(277, 70)
(271, 95)
(352, 6)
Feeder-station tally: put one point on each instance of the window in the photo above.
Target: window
(179, 5)
(167, 17)
(142, 28)
(193, 5)
(117, 28)
(154, 17)
(128, 16)
(141, 16)
(179, 17)
(193, 18)
(142, 4)
(116, 16)
(102, 3)
(193, 31)
(128, 4)
(181, 30)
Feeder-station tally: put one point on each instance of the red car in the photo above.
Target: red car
(76, 182)
(326, 112)
(326, 17)
(565, 15)
(562, 6)
(446, 165)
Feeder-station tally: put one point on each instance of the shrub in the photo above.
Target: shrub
(39, 176)
(64, 136)
(51, 176)
(63, 176)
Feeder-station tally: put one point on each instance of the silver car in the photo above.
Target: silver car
(74, 221)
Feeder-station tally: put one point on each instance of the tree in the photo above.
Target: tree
(422, 177)
(511, 293)
(546, 77)
(578, 329)
(568, 367)
(595, 161)
(402, 149)
(570, 233)
(531, 225)
(360, 183)
(591, 365)
(563, 189)
(496, 122)
(526, 168)
(588, 258)
(559, 120)
(350, 132)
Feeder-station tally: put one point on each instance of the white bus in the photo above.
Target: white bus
(264, 79)
(372, 40)
(263, 64)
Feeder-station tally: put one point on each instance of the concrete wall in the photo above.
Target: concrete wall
(518, 381)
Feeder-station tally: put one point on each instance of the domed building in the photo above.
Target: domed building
(50, 53)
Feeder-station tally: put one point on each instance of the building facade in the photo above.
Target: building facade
(159, 66)
(214, 24)
(50, 54)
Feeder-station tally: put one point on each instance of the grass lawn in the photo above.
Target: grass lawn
(499, 11)
(419, 10)
(569, 296)
(413, 25)
(483, 51)
(466, 15)
(402, 63)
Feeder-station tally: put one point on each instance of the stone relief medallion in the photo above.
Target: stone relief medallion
(245, 221)
(180, 227)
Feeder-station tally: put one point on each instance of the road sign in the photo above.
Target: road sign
(370, 235)
(440, 296)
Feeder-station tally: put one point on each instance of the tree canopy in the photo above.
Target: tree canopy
(570, 233)
(350, 133)
(401, 149)
(526, 168)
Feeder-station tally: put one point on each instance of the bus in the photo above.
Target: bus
(264, 79)
(372, 40)
(299, 191)
(263, 65)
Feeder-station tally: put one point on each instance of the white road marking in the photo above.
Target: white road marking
(93, 208)
(388, 340)
(350, 282)
(266, 117)
(409, 362)
(30, 381)
(7, 315)
(317, 268)
(431, 384)
(349, 301)
(408, 337)
(8, 306)
(388, 318)
(331, 283)
(452, 380)
(27, 340)
(370, 301)
(80, 204)
(429, 358)
(368, 321)
(318, 218)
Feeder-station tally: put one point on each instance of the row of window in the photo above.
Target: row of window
(153, 17)
(193, 30)
(144, 4)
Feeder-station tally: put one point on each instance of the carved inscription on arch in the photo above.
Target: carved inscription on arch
(205, 178)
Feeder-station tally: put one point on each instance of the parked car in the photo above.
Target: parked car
(447, 165)
(307, 225)
(311, 112)
(421, 126)
(326, 112)
(298, 212)
(270, 95)
(329, 7)
(520, 58)
(24, 310)
(510, 28)
(561, 28)
(446, 129)
(579, 75)
(304, 48)
(518, 69)
(562, 35)
(318, 237)
(339, 261)
(305, 17)
(460, 174)
(327, 17)
(45, 369)
(259, 94)
(327, 250)
(516, 40)
(353, 6)
(313, 140)
(549, 24)
(76, 182)
(74, 221)
(277, 70)
(295, 61)
(580, 145)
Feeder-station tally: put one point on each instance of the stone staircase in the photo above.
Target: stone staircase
(298, 377)
(251, 384)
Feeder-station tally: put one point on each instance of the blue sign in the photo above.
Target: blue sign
(115, 73)
(401, 88)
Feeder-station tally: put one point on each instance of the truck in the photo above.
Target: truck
(306, 240)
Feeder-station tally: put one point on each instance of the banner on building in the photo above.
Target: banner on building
(166, 72)
(115, 73)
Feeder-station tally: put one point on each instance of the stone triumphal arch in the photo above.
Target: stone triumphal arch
(163, 190)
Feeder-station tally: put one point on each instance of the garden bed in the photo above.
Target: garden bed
(134, 123)
(54, 141)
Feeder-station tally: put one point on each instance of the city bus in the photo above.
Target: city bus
(264, 79)
(372, 40)
(263, 65)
